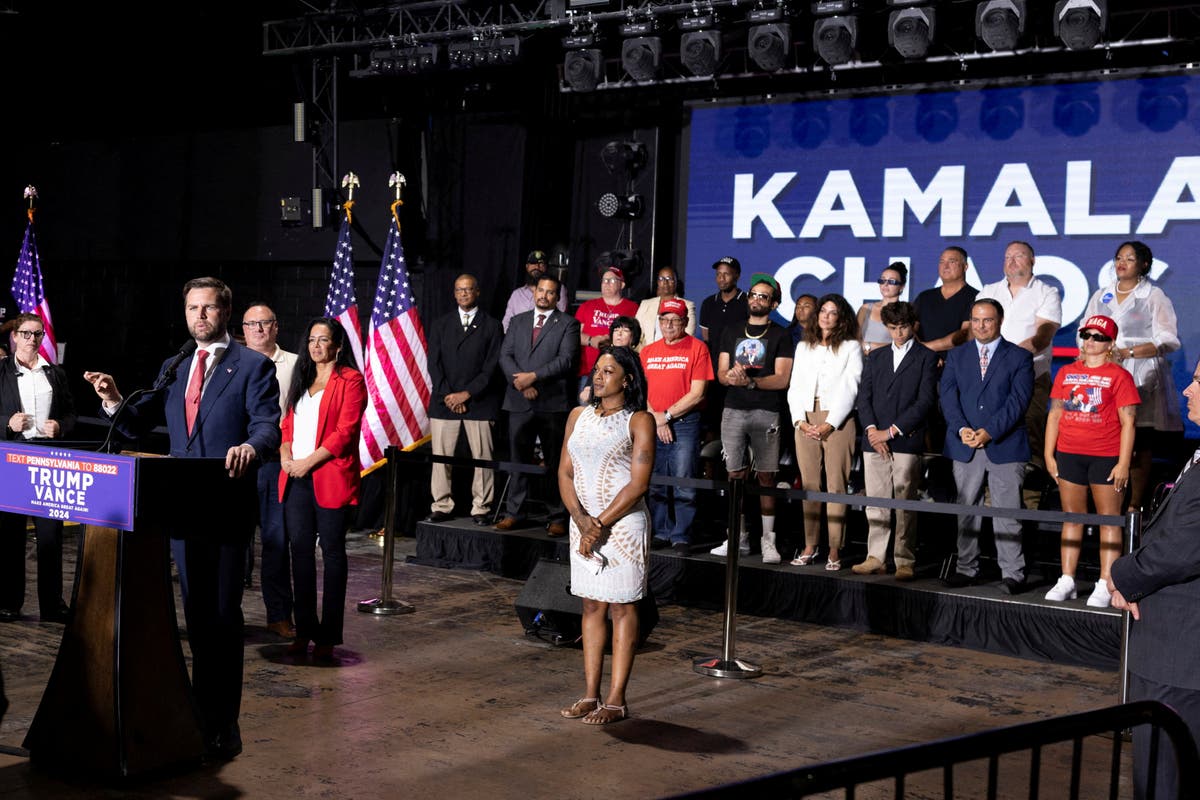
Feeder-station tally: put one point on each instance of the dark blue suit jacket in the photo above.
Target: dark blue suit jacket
(1163, 577)
(903, 397)
(996, 403)
(240, 405)
(554, 357)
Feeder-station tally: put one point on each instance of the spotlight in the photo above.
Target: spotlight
(1079, 23)
(628, 207)
(461, 55)
(700, 51)
(627, 156)
(1000, 23)
(910, 31)
(834, 38)
(640, 57)
(769, 45)
(582, 68)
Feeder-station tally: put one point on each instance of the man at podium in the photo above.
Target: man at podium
(226, 404)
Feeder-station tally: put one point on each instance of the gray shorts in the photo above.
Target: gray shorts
(753, 428)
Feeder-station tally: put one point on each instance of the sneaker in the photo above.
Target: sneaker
(722, 549)
(1100, 597)
(769, 554)
(1064, 590)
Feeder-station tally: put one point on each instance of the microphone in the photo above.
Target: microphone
(167, 376)
(165, 379)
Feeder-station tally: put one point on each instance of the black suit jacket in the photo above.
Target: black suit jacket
(62, 405)
(903, 397)
(554, 357)
(466, 361)
(1163, 577)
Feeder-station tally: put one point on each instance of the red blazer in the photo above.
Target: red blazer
(339, 420)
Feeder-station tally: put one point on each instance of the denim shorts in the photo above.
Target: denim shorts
(756, 428)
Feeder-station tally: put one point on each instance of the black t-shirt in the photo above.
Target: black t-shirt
(715, 314)
(940, 316)
(756, 347)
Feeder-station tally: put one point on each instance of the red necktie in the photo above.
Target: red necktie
(191, 401)
(537, 328)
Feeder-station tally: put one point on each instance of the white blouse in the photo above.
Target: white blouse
(818, 372)
(304, 424)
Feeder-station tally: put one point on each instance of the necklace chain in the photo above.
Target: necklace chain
(761, 335)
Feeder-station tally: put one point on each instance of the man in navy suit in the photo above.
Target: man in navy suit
(1157, 584)
(985, 390)
(464, 352)
(233, 396)
(538, 360)
(896, 396)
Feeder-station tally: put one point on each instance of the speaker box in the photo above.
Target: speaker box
(548, 610)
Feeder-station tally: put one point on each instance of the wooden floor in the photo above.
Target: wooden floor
(455, 701)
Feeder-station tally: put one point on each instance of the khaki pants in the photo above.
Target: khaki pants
(896, 477)
(444, 438)
(831, 458)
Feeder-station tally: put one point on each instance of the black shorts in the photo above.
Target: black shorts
(1085, 470)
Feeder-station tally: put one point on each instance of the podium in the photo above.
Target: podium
(119, 701)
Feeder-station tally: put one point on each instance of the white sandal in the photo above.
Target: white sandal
(574, 711)
(596, 717)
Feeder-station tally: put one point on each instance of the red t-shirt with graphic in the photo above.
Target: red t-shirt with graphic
(1089, 425)
(595, 318)
(671, 368)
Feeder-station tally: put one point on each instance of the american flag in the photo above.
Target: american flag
(397, 366)
(340, 302)
(27, 289)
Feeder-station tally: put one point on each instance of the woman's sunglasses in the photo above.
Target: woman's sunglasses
(889, 282)
(1095, 337)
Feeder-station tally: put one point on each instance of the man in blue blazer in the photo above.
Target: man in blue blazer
(225, 404)
(985, 390)
(1157, 584)
(541, 375)
(896, 396)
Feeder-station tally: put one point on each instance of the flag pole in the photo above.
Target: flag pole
(385, 604)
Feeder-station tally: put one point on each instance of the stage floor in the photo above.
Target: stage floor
(455, 700)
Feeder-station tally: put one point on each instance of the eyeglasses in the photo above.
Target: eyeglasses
(759, 296)
(27, 335)
(257, 323)
(889, 282)
(610, 280)
(1095, 337)
(666, 279)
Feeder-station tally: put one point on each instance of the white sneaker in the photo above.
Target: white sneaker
(722, 549)
(1100, 597)
(769, 554)
(1063, 590)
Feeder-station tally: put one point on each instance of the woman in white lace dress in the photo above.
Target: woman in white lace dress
(607, 460)
(1148, 332)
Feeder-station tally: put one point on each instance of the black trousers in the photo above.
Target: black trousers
(49, 533)
(306, 524)
(523, 428)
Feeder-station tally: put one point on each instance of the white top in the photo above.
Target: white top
(215, 351)
(36, 395)
(1037, 300)
(836, 373)
(1147, 315)
(304, 424)
(898, 353)
(285, 365)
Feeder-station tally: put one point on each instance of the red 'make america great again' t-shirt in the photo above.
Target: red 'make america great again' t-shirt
(1089, 425)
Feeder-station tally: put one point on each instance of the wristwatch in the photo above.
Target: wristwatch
(753, 384)
(667, 416)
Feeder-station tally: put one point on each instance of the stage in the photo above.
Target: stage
(924, 610)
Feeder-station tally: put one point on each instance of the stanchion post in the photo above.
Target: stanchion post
(1133, 529)
(384, 604)
(728, 665)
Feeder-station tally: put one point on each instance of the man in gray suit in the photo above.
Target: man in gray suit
(539, 360)
(1157, 584)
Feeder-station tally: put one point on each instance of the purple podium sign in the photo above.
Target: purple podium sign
(76, 485)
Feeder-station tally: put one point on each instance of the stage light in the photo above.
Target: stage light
(1000, 23)
(624, 157)
(769, 45)
(700, 51)
(834, 38)
(911, 31)
(627, 207)
(582, 68)
(640, 57)
(1079, 23)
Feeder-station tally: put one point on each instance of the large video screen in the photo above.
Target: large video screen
(824, 194)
